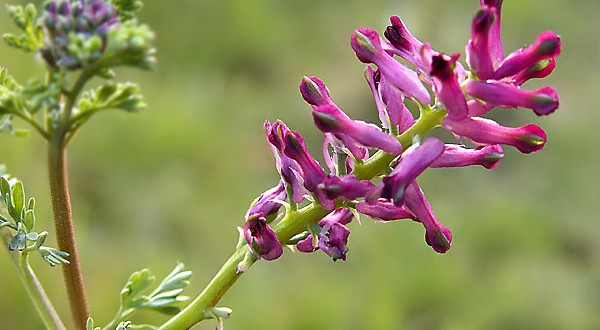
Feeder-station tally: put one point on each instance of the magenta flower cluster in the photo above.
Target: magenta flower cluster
(429, 79)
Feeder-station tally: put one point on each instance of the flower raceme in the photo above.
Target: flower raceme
(448, 94)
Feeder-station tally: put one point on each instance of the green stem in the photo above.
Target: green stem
(38, 296)
(293, 223)
(65, 231)
(36, 292)
(223, 280)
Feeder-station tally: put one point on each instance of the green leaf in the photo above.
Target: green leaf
(26, 20)
(31, 203)
(29, 219)
(89, 325)
(5, 189)
(137, 283)
(18, 200)
(53, 256)
(18, 242)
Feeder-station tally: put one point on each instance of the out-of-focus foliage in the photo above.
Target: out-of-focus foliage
(172, 182)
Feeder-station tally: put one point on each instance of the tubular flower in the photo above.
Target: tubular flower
(546, 46)
(543, 101)
(528, 138)
(457, 156)
(411, 164)
(333, 236)
(261, 238)
(436, 235)
(447, 87)
(347, 186)
(329, 118)
(478, 49)
(269, 202)
(384, 210)
(367, 45)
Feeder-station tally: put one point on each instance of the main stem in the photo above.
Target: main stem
(65, 231)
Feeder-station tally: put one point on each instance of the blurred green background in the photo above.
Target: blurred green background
(172, 183)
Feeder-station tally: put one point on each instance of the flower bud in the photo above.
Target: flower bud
(384, 210)
(458, 156)
(261, 238)
(542, 101)
(526, 139)
(447, 87)
(436, 235)
(478, 48)
(546, 46)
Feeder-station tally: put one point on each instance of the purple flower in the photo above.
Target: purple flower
(447, 87)
(436, 235)
(290, 171)
(384, 210)
(457, 156)
(540, 70)
(542, 101)
(411, 164)
(261, 238)
(394, 102)
(478, 48)
(367, 45)
(494, 40)
(331, 119)
(269, 202)
(347, 186)
(527, 139)
(405, 44)
(333, 237)
(546, 46)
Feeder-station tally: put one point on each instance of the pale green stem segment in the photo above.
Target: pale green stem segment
(36, 292)
(294, 223)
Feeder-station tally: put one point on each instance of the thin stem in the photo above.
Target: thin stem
(292, 224)
(38, 296)
(34, 124)
(223, 280)
(65, 231)
(36, 292)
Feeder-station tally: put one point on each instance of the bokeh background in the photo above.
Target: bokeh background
(172, 183)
